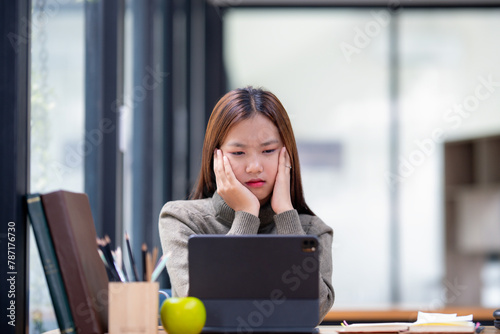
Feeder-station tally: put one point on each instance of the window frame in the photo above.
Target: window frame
(14, 150)
(202, 64)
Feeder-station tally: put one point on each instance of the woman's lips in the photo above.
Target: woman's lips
(255, 183)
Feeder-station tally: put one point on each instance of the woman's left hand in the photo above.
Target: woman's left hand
(281, 200)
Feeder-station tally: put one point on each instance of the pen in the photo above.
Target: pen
(144, 271)
(104, 248)
(131, 257)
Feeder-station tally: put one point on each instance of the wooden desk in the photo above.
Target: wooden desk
(335, 317)
(322, 330)
(334, 330)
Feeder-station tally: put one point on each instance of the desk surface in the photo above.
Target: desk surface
(393, 314)
(328, 330)
(335, 317)
(334, 330)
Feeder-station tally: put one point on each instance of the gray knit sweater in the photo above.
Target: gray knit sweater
(181, 219)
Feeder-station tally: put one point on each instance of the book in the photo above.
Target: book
(50, 264)
(73, 234)
(395, 328)
(426, 323)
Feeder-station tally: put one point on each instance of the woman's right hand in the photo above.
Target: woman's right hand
(234, 193)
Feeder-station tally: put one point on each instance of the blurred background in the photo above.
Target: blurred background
(395, 108)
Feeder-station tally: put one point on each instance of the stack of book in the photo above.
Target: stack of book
(426, 323)
(76, 276)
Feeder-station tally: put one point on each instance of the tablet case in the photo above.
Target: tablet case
(256, 283)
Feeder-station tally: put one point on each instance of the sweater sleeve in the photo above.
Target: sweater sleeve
(326, 292)
(244, 223)
(174, 234)
(288, 222)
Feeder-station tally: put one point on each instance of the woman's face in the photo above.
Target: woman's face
(252, 147)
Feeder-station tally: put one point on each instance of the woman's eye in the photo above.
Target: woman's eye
(237, 153)
(270, 151)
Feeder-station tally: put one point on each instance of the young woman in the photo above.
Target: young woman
(249, 183)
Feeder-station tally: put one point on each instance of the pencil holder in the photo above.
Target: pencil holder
(133, 308)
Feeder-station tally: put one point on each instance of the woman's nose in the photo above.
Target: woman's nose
(254, 166)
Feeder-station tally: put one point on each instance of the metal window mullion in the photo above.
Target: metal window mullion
(103, 96)
(143, 133)
(15, 16)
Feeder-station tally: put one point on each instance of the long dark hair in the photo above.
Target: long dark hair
(233, 107)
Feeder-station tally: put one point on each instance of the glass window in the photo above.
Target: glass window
(57, 124)
(449, 90)
(330, 68)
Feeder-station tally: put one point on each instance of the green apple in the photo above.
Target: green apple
(183, 315)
